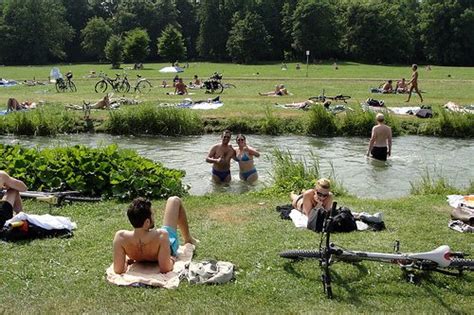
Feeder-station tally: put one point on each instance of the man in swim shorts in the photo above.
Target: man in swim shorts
(380, 144)
(11, 201)
(147, 244)
(220, 155)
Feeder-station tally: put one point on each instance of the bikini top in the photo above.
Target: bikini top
(243, 158)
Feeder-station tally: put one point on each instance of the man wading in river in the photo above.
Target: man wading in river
(380, 144)
(220, 155)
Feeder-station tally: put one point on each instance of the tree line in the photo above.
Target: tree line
(243, 31)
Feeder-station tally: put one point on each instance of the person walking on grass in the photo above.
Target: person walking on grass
(11, 201)
(147, 244)
(414, 83)
(380, 144)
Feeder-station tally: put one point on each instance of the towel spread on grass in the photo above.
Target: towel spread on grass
(409, 110)
(45, 221)
(148, 274)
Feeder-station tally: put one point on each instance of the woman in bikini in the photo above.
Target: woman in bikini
(244, 156)
(319, 196)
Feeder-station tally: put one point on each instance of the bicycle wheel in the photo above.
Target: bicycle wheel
(123, 87)
(219, 88)
(341, 97)
(229, 85)
(72, 86)
(462, 263)
(301, 254)
(143, 86)
(101, 87)
(58, 87)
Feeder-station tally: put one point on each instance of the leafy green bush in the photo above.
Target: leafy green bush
(39, 122)
(456, 125)
(357, 123)
(271, 125)
(147, 119)
(321, 122)
(106, 171)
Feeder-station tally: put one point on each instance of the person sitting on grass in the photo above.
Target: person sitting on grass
(319, 196)
(147, 244)
(280, 90)
(402, 86)
(180, 88)
(11, 201)
(387, 87)
(196, 83)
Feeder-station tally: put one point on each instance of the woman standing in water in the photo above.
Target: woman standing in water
(244, 155)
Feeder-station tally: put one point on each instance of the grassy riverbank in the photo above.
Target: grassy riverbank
(244, 109)
(54, 275)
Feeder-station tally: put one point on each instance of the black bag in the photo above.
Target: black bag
(424, 113)
(316, 219)
(344, 221)
(374, 102)
(31, 231)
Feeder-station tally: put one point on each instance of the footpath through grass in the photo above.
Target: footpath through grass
(68, 275)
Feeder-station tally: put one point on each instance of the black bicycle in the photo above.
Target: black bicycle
(118, 84)
(65, 85)
(57, 198)
(441, 259)
(323, 98)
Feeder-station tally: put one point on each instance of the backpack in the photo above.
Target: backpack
(424, 113)
(374, 102)
(316, 219)
(344, 221)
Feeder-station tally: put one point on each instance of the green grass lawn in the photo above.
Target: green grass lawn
(68, 275)
(439, 85)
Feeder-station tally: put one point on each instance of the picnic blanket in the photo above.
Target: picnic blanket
(7, 83)
(148, 274)
(404, 110)
(45, 221)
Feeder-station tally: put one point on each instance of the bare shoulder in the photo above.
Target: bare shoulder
(122, 235)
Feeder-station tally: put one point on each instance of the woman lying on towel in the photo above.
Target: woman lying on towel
(319, 196)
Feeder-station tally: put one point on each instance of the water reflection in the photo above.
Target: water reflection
(412, 156)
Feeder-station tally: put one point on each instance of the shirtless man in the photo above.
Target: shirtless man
(380, 144)
(387, 87)
(180, 88)
(220, 155)
(11, 201)
(401, 86)
(414, 83)
(146, 244)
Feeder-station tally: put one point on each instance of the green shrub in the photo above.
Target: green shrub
(321, 122)
(432, 185)
(147, 119)
(357, 123)
(106, 171)
(448, 124)
(290, 174)
(271, 125)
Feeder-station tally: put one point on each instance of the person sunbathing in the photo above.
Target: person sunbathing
(402, 86)
(147, 244)
(319, 196)
(299, 105)
(13, 105)
(196, 83)
(180, 88)
(11, 201)
(387, 87)
(280, 90)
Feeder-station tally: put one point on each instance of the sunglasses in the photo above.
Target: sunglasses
(320, 194)
(226, 137)
(239, 140)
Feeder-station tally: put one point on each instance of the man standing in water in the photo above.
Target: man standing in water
(220, 155)
(380, 144)
(414, 83)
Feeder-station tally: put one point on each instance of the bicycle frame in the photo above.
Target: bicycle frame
(440, 259)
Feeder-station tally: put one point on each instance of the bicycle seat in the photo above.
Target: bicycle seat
(440, 255)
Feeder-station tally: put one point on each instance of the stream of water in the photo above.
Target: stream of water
(412, 157)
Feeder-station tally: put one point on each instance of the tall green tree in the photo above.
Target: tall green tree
(94, 37)
(373, 33)
(171, 44)
(212, 37)
(447, 31)
(187, 19)
(114, 51)
(78, 12)
(248, 40)
(314, 29)
(137, 45)
(35, 31)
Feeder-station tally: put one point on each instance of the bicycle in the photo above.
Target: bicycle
(142, 85)
(323, 98)
(117, 84)
(56, 198)
(440, 259)
(65, 85)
